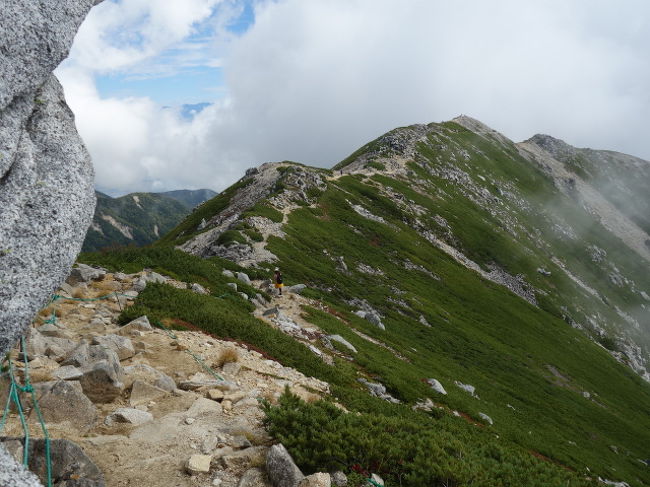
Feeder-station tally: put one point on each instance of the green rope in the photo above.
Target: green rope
(14, 397)
(28, 388)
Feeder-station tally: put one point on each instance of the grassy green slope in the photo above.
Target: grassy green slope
(530, 368)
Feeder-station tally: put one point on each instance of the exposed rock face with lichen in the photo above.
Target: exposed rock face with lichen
(46, 177)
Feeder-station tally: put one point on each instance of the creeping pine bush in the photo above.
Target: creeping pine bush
(407, 450)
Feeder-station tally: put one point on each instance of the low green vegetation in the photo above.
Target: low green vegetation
(264, 210)
(406, 448)
(563, 410)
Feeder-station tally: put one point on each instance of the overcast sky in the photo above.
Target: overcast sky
(312, 80)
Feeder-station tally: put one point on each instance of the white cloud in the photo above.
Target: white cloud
(312, 81)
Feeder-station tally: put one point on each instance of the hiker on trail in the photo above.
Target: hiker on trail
(277, 279)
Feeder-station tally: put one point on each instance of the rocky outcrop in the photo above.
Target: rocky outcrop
(46, 178)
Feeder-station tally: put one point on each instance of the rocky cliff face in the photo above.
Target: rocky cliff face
(46, 177)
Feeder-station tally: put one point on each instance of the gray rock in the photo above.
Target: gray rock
(122, 346)
(470, 389)
(244, 278)
(296, 288)
(232, 285)
(102, 379)
(13, 474)
(139, 285)
(378, 390)
(375, 319)
(339, 479)
(281, 469)
(84, 273)
(66, 288)
(154, 277)
(275, 311)
(85, 354)
(243, 296)
(47, 196)
(424, 321)
(231, 369)
(253, 477)
(342, 341)
(227, 273)
(197, 464)
(150, 375)
(436, 386)
(52, 330)
(137, 325)
(143, 393)
(71, 467)
(486, 418)
(67, 372)
(62, 401)
(40, 345)
(316, 480)
(197, 288)
(128, 415)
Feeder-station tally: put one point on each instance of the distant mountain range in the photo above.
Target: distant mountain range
(140, 218)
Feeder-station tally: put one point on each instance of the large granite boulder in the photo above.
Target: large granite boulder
(71, 467)
(47, 197)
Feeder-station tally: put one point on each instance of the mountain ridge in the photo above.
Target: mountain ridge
(392, 155)
(139, 218)
(449, 260)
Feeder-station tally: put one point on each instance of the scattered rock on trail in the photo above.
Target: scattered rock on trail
(102, 380)
(121, 345)
(128, 415)
(198, 464)
(67, 372)
(281, 469)
(143, 393)
(150, 375)
(135, 326)
(63, 401)
(84, 273)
